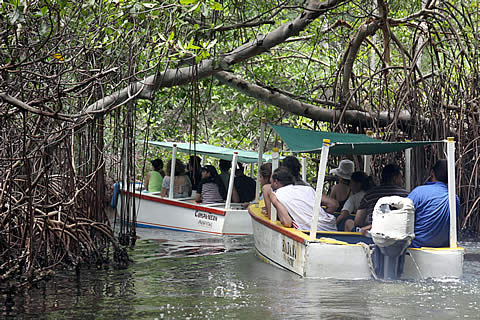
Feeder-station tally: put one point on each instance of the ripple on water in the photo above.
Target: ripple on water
(187, 276)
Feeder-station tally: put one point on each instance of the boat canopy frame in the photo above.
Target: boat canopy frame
(334, 143)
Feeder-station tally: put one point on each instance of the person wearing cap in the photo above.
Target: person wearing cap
(432, 211)
(211, 188)
(341, 190)
(359, 185)
(154, 179)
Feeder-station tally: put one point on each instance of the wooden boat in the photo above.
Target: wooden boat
(155, 211)
(347, 255)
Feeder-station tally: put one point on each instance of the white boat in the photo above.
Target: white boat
(154, 211)
(347, 255)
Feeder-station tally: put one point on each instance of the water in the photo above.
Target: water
(188, 276)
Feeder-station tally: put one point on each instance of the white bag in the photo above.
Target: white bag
(393, 220)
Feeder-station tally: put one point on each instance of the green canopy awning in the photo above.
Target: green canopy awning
(301, 140)
(212, 151)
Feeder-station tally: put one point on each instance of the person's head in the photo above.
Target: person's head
(240, 169)
(439, 171)
(194, 162)
(344, 170)
(282, 177)
(391, 174)
(157, 164)
(179, 167)
(208, 171)
(225, 165)
(293, 165)
(359, 182)
(265, 173)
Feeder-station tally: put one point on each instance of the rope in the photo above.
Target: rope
(368, 254)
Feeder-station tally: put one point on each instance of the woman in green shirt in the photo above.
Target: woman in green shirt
(154, 178)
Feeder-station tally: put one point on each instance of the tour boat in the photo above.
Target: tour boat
(155, 211)
(349, 255)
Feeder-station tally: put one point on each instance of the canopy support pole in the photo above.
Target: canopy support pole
(230, 182)
(408, 169)
(304, 168)
(172, 171)
(275, 161)
(451, 191)
(367, 159)
(260, 159)
(319, 189)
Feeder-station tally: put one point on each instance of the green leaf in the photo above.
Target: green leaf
(216, 6)
(44, 10)
(187, 2)
(171, 36)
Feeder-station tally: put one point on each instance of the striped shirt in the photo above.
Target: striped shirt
(371, 197)
(209, 193)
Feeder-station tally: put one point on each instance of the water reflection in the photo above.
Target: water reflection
(189, 276)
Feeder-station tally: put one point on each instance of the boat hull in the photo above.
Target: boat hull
(153, 211)
(329, 257)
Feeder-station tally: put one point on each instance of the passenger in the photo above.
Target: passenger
(359, 185)
(341, 190)
(294, 203)
(182, 186)
(432, 211)
(294, 167)
(154, 179)
(194, 166)
(244, 186)
(211, 188)
(265, 176)
(225, 166)
(391, 185)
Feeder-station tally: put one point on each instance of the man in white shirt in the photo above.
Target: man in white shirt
(294, 203)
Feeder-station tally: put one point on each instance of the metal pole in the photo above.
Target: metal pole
(260, 158)
(251, 170)
(451, 191)
(204, 160)
(367, 158)
(275, 161)
(304, 168)
(230, 183)
(408, 168)
(172, 171)
(319, 190)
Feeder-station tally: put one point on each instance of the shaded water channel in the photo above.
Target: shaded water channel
(188, 276)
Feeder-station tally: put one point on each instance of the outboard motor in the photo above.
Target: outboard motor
(392, 232)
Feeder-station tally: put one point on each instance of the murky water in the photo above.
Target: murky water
(189, 276)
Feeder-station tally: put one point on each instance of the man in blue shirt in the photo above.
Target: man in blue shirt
(432, 212)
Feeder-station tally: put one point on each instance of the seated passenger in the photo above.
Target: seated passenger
(182, 186)
(391, 185)
(265, 176)
(211, 188)
(245, 186)
(294, 203)
(359, 185)
(432, 211)
(154, 179)
(294, 166)
(224, 166)
(341, 190)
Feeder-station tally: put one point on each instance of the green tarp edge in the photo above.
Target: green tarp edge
(211, 151)
(310, 141)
